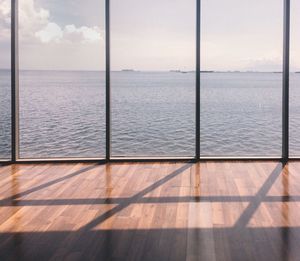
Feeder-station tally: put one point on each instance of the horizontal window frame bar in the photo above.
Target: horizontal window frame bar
(60, 160)
(144, 160)
(5, 161)
(294, 158)
(241, 159)
(151, 159)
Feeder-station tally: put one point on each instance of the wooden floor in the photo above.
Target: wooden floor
(150, 211)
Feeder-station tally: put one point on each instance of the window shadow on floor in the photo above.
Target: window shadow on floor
(239, 242)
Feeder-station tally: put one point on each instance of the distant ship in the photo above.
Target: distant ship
(127, 70)
(178, 71)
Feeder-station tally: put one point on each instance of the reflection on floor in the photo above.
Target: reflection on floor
(150, 211)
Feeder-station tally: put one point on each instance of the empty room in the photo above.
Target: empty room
(150, 130)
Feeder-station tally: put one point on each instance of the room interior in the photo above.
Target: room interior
(180, 144)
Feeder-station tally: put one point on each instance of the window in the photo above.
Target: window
(153, 56)
(62, 79)
(5, 80)
(241, 78)
(61, 104)
(295, 80)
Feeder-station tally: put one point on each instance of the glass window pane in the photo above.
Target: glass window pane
(295, 80)
(153, 77)
(62, 78)
(5, 81)
(241, 52)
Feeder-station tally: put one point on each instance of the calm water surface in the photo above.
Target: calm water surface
(62, 114)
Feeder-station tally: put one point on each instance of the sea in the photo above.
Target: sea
(62, 114)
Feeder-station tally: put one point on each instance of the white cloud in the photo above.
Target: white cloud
(5, 10)
(51, 33)
(70, 34)
(4, 20)
(82, 34)
(35, 24)
(31, 19)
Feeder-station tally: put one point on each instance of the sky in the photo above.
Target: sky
(150, 34)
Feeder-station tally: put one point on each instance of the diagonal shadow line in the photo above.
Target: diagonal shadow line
(132, 199)
(147, 200)
(47, 184)
(258, 198)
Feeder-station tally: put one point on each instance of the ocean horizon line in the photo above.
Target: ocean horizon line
(145, 71)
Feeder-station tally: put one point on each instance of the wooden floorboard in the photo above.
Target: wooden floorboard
(150, 211)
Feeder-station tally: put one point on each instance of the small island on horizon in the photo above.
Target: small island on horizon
(128, 70)
(170, 71)
(179, 71)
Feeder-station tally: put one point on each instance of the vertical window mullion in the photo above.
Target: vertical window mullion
(14, 82)
(107, 71)
(285, 78)
(198, 25)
